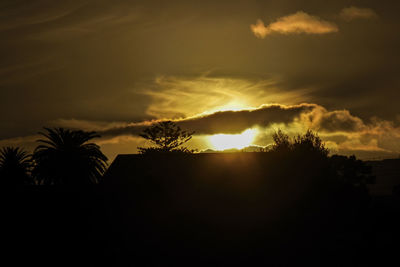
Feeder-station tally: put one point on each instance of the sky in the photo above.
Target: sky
(215, 67)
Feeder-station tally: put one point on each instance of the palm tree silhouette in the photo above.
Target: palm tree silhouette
(15, 165)
(64, 157)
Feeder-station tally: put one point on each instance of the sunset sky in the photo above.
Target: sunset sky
(219, 68)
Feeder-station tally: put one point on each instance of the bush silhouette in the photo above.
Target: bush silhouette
(64, 157)
(303, 161)
(15, 165)
(166, 137)
(281, 142)
(309, 143)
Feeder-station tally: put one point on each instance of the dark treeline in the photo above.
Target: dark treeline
(290, 205)
(62, 157)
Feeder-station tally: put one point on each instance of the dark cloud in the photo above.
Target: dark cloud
(308, 116)
(337, 122)
(228, 122)
(232, 122)
(342, 131)
(340, 121)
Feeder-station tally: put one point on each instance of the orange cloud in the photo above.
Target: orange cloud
(297, 23)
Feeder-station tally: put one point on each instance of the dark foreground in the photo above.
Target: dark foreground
(232, 210)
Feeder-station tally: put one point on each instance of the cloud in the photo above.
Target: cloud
(297, 23)
(320, 119)
(228, 122)
(64, 20)
(178, 97)
(299, 117)
(16, 15)
(234, 122)
(86, 125)
(352, 13)
(343, 132)
(340, 127)
(83, 27)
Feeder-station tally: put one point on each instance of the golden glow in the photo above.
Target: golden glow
(228, 141)
(232, 106)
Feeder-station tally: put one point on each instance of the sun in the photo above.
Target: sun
(228, 141)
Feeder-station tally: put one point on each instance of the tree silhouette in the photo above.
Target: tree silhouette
(65, 157)
(281, 141)
(308, 143)
(15, 165)
(166, 136)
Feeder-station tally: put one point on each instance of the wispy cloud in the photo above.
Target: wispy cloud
(82, 27)
(352, 13)
(64, 20)
(177, 97)
(24, 15)
(297, 23)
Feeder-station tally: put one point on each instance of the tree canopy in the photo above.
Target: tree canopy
(65, 157)
(304, 144)
(15, 165)
(165, 136)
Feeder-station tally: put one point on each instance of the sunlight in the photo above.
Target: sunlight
(231, 106)
(234, 106)
(228, 141)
